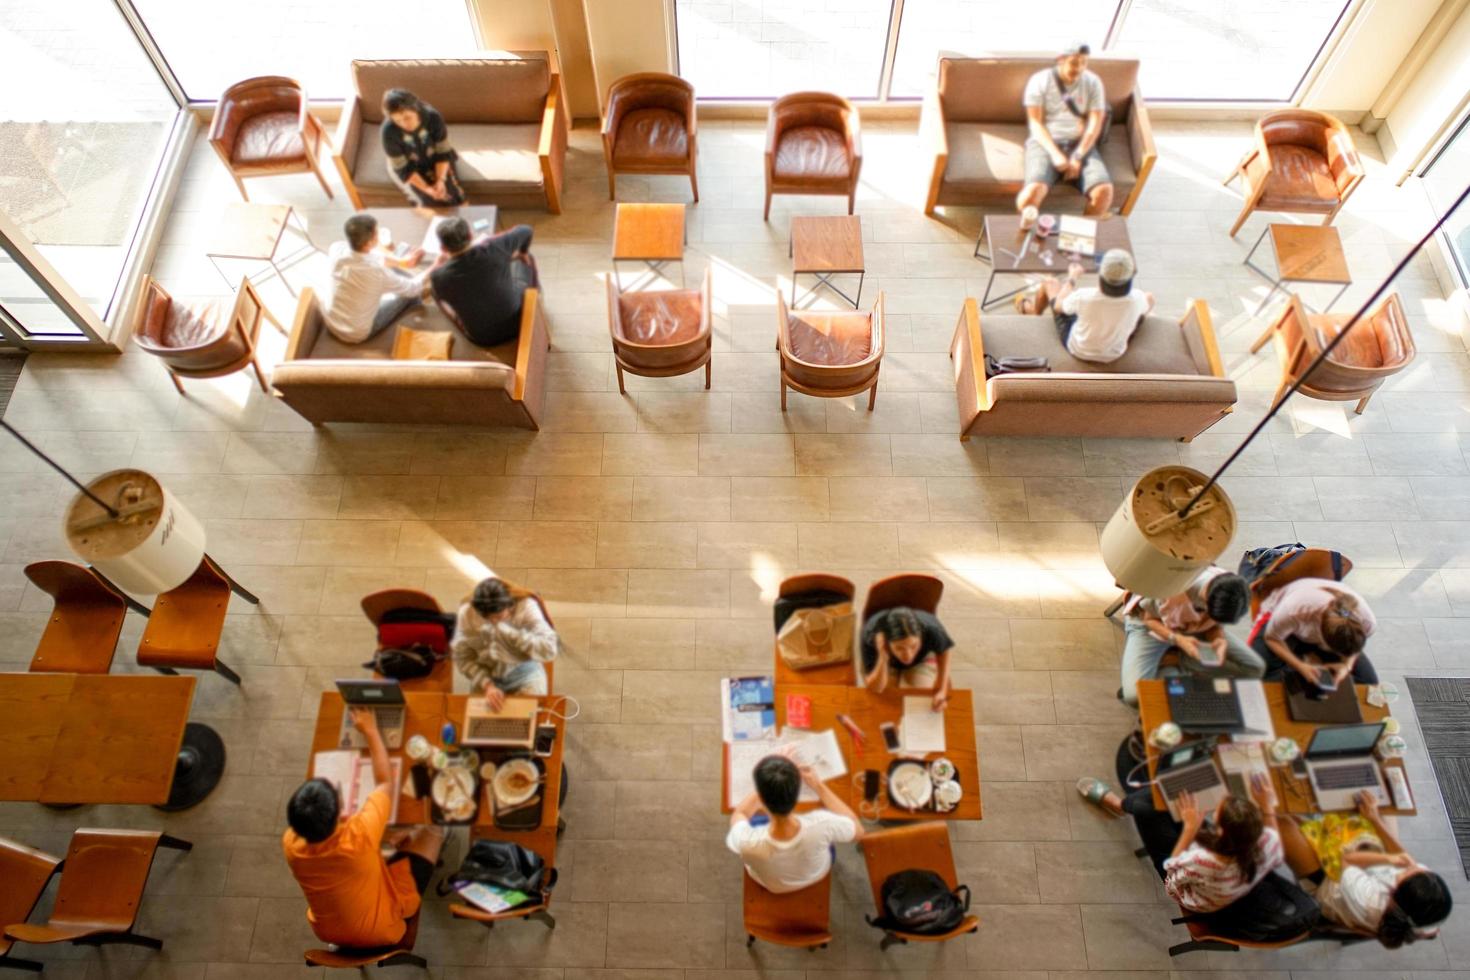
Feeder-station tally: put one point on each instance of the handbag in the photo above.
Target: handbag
(817, 636)
(503, 864)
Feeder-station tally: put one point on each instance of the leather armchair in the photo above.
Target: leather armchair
(649, 128)
(1378, 346)
(830, 355)
(1303, 162)
(201, 340)
(262, 126)
(814, 145)
(660, 333)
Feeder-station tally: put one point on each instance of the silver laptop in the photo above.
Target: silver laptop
(1191, 768)
(1340, 764)
(385, 698)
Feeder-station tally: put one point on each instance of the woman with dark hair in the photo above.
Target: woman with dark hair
(1318, 628)
(420, 157)
(502, 640)
(909, 647)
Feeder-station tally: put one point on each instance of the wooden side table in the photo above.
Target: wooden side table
(1304, 253)
(653, 234)
(824, 247)
(254, 231)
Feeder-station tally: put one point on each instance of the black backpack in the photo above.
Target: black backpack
(504, 864)
(920, 902)
(1259, 561)
(1274, 910)
(404, 665)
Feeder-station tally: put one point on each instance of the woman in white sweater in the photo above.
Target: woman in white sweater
(501, 641)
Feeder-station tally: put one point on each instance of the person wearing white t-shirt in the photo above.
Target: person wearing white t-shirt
(788, 851)
(1095, 324)
(370, 290)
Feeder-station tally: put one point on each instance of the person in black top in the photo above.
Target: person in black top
(909, 646)
(420, 157)
(481, 284)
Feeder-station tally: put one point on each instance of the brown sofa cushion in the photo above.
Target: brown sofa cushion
(271, 137)
(664, 317)
(990, 157)
(1158, 346)
(1299, 178)
(509, 88)
(652, 136)
(811, 153)
(831, 339)
(492, 158)
(990, 89)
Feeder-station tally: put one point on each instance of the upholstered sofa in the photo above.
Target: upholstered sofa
(973, 127)
(325, 380)
(506, 116)
(1170, 383)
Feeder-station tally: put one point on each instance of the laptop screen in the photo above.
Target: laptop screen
(362, 693)
(1334, 740)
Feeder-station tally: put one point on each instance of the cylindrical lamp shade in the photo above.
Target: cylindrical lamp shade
(1152, 554)
(154, 546)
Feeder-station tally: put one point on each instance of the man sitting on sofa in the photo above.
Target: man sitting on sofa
(480, 284)
(1065, 108)
(369, 290)
(1094, 323)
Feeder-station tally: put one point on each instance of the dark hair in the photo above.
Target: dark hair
(1421, 900)
(359, 230)
(1111, 289)
(454, 235)
(492, 596)
(778, 782)
(1342, 630)
(313, 810)
(1227, 598)
(899, 623)
(1238, 835)
(398, 99)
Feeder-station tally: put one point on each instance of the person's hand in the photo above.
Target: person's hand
(941, 698)
(1367, 805)
(365, 720)
(1072, 169)
(810, 777)
(494, 696)
(1189, 814)
(1221, 645)
(1263, 792)
(496, 618)
(1341, 672)
(1075, 270)
(1402, 859)
(414, 258)
(1188, 644)
(1060, 160)
(1311, 672)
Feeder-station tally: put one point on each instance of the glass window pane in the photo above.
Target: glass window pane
(1445, 181)
(212, 44)
(31, 312)
(82, 129)
(932, 28)
(732, 49)
(1225, 49)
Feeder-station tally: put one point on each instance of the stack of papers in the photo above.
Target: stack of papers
(352, 774)
(1254, 712)
(1075, 234)
(922, 729)
(816, 749)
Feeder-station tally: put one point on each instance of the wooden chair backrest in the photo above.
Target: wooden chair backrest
(104, 877)
(799, 918)
(25, 872)
(912, 589)
(817, 581)
(376, 605)
(923, 846)
(73, 584)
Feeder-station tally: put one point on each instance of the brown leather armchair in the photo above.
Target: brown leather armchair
(262, 126)
(830, 355)
(660, 333)
(1303, 162)
(201, 340)
(1377, 347)
(649, 128)
(814, 145)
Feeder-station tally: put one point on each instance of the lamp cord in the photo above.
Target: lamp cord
(111, 511)
(1331, 346)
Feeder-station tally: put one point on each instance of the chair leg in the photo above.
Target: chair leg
(260, 376)
(321, 178)
(236, 587)
(889, 939)
(177, 383)
(708, 365)
(1203, 945)
(405, 958)
(851, 198)
(1245, 212)
(1112, 610)
(783, 394)
(768, 204)
(272, 318)
(123, 938)
(168, 671)
(749, 941)
(872, 395)
(1358, 410)
(1261, 340)
(694, 185)
(177, 843)
(29, 966)
(622, 388)
(240, 184)
(222, 669)
(542, 916)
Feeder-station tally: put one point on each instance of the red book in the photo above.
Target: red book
(798, 711)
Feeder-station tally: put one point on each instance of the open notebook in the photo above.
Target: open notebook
(352, 774)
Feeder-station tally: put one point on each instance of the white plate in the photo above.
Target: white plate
(910, 786)
(454, 792)
(516, 781)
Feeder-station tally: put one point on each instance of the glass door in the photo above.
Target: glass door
(1444, 180)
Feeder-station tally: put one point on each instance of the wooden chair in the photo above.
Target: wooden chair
(660, 333)
(650, 126)
(537, 912)
(830, 355)
(1308, 563)
(801, 918)
(814, 145)
(1201, 939)
(376, 605)
(202, 340)
(1301, 162)
(912, 589)
(845, 673)
(86, 619)
(355, 958)
(187, 622)
(102, 884)
(26, 872)
(1377, 347)
(921, 846)
(264, 126)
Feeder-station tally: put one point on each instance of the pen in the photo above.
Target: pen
(852, 729)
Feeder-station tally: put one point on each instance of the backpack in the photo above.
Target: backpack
(405, 664)
(402, 628)
(504, 864)
(788, 604)
(920, 902)
(1259, 561)
(1274, 910)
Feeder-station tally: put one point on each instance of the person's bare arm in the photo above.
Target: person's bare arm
(877, 679)
(1192, 820)
(1036, 125)
(1368, 807)
(831, 800)
(1090, 134)
(367, 723)
(745, 809)
(942, 682)
(1310, 671)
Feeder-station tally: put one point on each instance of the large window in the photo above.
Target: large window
(1444, 180)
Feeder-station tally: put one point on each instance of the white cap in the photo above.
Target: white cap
(1116, 267)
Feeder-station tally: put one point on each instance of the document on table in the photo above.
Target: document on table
(922, 729)
(1255, 713)
(816, 749)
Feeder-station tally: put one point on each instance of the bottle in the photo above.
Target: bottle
(447, 733)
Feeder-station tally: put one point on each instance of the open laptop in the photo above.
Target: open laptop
(385, 698)
(1340, 763)
(513, 726)
(1205, 705)
(1191, 768)
(1307, 702)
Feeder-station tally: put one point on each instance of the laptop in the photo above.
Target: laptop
(1309, 703)
(1204, 705)
(513, 726)
(1340, 763)
(1191, 768)
(385, 698)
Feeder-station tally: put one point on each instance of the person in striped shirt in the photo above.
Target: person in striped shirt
(1214, 864)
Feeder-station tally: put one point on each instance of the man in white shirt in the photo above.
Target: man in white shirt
(788, 851)
(1094, 323)
(369, 292)
(1065, 112)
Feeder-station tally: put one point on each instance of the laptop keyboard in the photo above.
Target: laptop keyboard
(1200, 709)
(390, 724)
(1191, 780)
(499, 729)
(1345, 777)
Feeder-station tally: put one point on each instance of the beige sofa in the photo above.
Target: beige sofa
(506, 116)
(1169, 383)
(325, 380)
(974, 126)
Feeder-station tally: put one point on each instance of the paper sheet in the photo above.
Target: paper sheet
(816, 749)
(922, 728)
(1254, 712)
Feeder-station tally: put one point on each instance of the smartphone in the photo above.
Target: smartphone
(1326, 681)
(545, 738)
(402, 249)
(870, 784)
(1209, 656)
(890, 735)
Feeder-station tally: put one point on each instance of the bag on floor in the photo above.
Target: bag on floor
(1273, 911)
(407, 627)
(503, 864)
(1259, 561)
(817, 636)
(920, 902)
(404, 663)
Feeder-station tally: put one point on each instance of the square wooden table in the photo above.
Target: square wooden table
(824, 247)
(1304, 253)
(1011, 251)
(1293, 791)
(653, 234)
(254, 231)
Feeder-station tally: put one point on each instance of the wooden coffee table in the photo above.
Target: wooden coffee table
(1013, 252)
(1304, 253)
(254, 231)
(825, 247)
(649, 233)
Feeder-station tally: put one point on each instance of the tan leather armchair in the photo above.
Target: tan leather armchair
(814, 145)
(201, 340)
(1303, 162)
(262, 127)
(649, 127)
(660, 333)
(1376, 348)
(830, 355)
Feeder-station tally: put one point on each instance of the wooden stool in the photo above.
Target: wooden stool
(800, 918)
(184, 630)
(354, 958)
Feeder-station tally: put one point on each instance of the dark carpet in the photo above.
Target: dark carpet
(10, 365)
(1443, 706)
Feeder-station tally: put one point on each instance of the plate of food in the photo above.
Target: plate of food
(454, 792)
(516, 781)
(910, 785)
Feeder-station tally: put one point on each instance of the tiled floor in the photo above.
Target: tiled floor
(657, 526)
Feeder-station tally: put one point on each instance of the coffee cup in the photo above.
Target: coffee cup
(1391, 726)
(1166, 736)
(1392, 747)
(1284, 751)
(941, 771)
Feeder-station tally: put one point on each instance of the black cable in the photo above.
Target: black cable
(112, 512)
(1341, 335)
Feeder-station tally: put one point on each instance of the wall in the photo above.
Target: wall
(1378, 38)
(1431, 103)
(626, 36)
(570, 21)
(515, 25)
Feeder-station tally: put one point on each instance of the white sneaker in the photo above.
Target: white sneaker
(1029, 214)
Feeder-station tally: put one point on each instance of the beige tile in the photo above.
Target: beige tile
(734, 644)
(650, 454)
(450, 453)
(842, 455)
(683, 411)
(292, 496)
(547, 544)
(681, 498)
(976, 498)
(946, 545)
(852, 545)
(642, 644)
(646, 544)
(746, 454)
(864, 499)
(253, 542)
(389, 498)
(348, 542)
(938, 455)
(343, 588)
(665, 935)
(663, 593)
(747, 545)
(555, 454)
(778, 498)
(581, 591)
(484, 498)
(434, 544)
(363, 452)
(582, 498)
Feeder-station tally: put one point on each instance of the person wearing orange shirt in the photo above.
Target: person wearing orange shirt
(354, 896)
